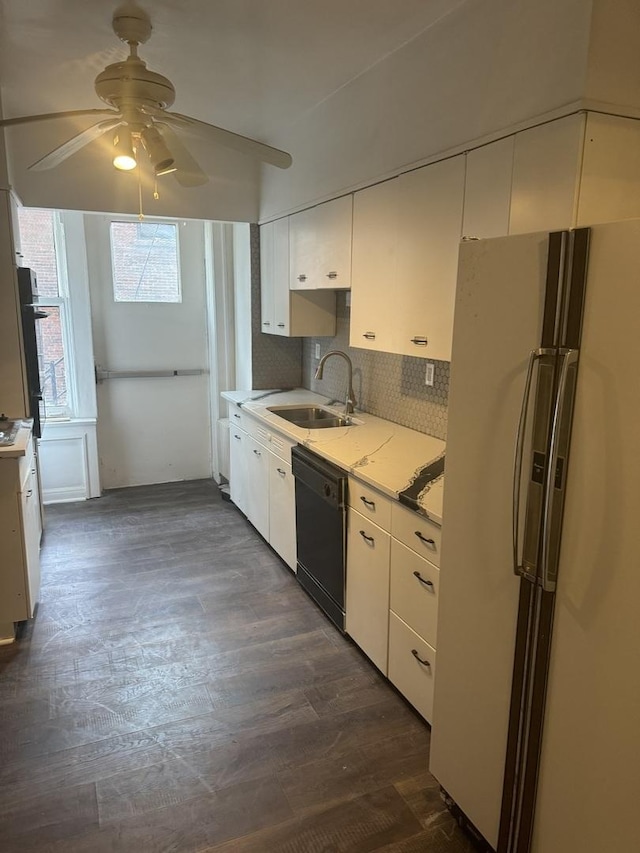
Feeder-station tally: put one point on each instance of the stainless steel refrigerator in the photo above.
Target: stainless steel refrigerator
(536, 726)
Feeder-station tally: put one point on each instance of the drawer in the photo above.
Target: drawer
(256, 429)
(412, 666)
(414, 591)
(370, 503)
(236, 416)
(281, 446)
(416, 532)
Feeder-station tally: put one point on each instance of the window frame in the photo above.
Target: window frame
(147, 221)
(62, 302)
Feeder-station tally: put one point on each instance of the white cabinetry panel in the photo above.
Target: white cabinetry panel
(487, 190)
(257, 485)
(412, 666)
(238, 486)
(320, 246)
(282, 510)
(414, 591)
(367, 606)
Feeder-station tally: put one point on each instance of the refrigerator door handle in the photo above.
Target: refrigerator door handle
(534, 356)
(548, 574)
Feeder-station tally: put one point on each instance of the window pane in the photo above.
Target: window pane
(38, 248)
(145, 262)
(53, 378)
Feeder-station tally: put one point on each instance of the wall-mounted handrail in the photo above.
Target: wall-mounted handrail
(102, 375)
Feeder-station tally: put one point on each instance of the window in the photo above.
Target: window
(144, 257)
(42, 246)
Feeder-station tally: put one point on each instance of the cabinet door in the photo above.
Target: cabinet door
(302, 250)
(267, 247)
(429, 230)
(373, 272)
(333, 223)
(367, 606)
(280, 276)
(282, 510)
(31, 530)
(546, 166)
(487, 190)
(238, 467)
(257, 495)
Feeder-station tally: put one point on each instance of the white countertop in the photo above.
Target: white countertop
(19, 446)
(385, 455)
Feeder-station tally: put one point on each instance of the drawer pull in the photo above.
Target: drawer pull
(430, 542)
(236, 416)
(368, 503)
(370, 336)
(266, 323)
(426, 663)
(257, 452)
(368, 539)
(281, 471)
(423, 580)
(29, 493)
(332, 275)
(420, 342)
(281, 325)
(302, 277)
(237, 437)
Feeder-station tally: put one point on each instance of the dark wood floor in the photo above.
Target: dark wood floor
(179, 692)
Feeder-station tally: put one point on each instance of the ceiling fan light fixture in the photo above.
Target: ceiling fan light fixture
(124, 157)
(162, 159)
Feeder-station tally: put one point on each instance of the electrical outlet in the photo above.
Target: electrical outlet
(428, 378)
(317, 350)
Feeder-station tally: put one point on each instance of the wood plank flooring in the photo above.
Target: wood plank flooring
(179, 692)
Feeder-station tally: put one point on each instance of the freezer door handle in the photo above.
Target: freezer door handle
(534, 356)
(562, 409)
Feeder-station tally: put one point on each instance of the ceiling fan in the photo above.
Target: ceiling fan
(139, 118)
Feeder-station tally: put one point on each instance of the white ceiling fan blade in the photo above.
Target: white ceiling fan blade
(189, 173)
(9, 122)
(244, 144)
(59, 154)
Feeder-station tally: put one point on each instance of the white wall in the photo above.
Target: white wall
(488, 66)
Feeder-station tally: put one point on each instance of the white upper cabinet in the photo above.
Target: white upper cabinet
(429, 229)
(487, 190)
(406, 234)
(320, 242)
(373, 270)
(546, 173)
(284, 312)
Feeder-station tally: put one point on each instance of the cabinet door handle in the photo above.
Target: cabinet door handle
(236, 416)
(368, 539)
(426, 663)
(430, 542)
(419, 342)
(281, 325)
(266, 323)
(368, 503)
(423, 580)
(29, 493)
(302, 277)
(332, 275)
(281, 471)
(370, 336)
(237, 437)
(257, 452)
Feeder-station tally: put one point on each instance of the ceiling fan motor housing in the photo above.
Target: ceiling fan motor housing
(131, 81)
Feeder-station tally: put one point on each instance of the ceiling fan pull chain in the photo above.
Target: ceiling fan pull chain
(140, 214)
(156, 194)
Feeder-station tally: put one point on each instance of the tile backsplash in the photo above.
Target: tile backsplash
(387, 385)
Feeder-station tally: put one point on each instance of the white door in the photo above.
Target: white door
(150, 430)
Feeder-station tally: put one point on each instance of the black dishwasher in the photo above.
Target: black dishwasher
(321, 505)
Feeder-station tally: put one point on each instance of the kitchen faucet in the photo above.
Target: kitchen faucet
(351, 396)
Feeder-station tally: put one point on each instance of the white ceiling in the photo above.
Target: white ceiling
(248, 65)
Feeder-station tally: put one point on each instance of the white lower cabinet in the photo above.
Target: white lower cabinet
(257, 496)
(392, 591)
(412, 666)
(262, 484)
(20, 532)
(282, 510)
(367, 606)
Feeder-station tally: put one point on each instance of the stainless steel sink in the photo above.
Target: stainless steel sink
(310, 417)
(8, 431)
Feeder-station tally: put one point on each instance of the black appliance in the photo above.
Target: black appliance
(30, 313)
(321, 507)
